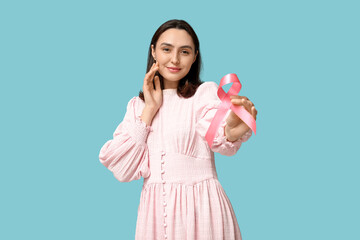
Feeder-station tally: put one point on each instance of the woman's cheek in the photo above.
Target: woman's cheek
(161, 69)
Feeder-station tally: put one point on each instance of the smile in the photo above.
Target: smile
(171, 69)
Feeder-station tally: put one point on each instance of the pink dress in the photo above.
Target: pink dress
(181, 198)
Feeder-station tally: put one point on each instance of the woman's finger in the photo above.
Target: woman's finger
(238, 97)
(238, 101)
(157, 83)
(253, 112)
(150, 75)
(248, 105)
(243, 102)
(250, 102)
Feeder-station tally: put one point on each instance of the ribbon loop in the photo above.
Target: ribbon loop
(226, 104)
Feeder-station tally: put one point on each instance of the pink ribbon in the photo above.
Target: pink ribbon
(226, 104)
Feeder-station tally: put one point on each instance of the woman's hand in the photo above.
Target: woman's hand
(153, 97)
(235, 127)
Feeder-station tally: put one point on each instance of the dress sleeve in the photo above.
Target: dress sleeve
(207, 105)
(126, 155)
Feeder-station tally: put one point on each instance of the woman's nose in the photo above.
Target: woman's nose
(175, 58)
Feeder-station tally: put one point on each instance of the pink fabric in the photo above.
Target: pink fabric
(181, 196)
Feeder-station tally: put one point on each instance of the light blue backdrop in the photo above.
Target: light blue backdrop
(68, 69)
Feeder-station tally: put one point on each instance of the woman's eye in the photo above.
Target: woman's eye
(185, 52)
(166, 49)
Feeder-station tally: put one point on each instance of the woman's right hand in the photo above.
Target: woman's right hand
(153, 97)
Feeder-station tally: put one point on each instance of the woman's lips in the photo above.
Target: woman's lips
(172, 69)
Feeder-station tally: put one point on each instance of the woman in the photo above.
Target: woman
(162, 139)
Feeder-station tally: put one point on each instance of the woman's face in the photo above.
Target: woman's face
(175, 52)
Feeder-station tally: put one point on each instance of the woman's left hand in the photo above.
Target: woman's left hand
(235, 127)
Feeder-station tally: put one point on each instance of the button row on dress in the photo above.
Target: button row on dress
(164, 193)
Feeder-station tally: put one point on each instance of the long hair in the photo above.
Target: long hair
(187, 85)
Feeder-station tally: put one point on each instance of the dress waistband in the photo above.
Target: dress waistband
(166, 167)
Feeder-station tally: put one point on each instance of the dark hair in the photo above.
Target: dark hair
(188, 84)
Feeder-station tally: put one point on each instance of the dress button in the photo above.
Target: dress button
(162, 153)
(164, 193)
(163, 171)
(162, 161)
(165, 236)
(165, 214)
(163, 181)
(165, 225)
(164, 203)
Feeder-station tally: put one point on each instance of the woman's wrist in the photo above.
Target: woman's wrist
(148, 115)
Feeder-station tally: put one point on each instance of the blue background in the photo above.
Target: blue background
(68, 69)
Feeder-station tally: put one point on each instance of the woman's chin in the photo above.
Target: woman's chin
(171, 78)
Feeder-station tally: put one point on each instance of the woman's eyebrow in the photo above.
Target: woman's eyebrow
(170, 45)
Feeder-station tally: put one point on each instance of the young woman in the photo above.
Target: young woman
(162, 139)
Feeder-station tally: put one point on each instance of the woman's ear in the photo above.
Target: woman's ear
(153, 51)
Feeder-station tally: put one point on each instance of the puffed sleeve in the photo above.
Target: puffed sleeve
(126, 155)
(207, 103)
